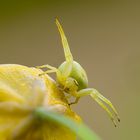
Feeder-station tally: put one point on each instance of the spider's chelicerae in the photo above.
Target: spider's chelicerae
(72, 78)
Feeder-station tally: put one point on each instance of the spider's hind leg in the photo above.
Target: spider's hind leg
(46, 66)
(51, 69)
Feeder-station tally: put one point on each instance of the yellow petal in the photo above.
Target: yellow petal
(21, 91)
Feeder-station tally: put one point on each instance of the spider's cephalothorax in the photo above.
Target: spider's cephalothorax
(77, 73)
(72, 79)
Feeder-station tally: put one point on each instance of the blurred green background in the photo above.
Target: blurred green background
(104, 37)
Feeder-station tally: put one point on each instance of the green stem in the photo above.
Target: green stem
(79, 129)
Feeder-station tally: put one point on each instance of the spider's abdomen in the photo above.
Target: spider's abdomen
(78, 73)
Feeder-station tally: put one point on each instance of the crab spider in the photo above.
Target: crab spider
(72, 79)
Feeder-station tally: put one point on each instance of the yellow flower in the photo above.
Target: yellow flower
(21, 92)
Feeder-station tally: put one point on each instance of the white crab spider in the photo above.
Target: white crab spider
(72, 78)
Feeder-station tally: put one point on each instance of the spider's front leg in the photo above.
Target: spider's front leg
(100, 99)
